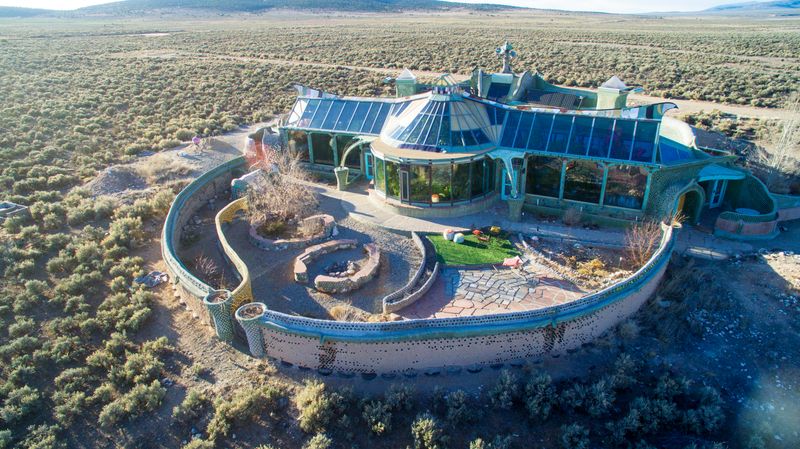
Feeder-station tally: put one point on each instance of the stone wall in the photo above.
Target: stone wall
(328, 225)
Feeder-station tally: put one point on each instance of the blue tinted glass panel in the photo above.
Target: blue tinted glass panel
(644, 142)
(540, 131)
(469, 139)
(398, 108)
(672, 151)
(622, 139)
(322, 111)
(444, 128)
(370, 119)
(601, 137)
(581, 132)
(510, 130)
(419, 129)
(376, 128)
(496, 115)
(560, 135)
(358, 117)
(523, 130)
(308, 114)
(346, 115)
(480, 136)
(333, 115)
(433, 134)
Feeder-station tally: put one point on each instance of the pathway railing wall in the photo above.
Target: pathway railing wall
(401, 298)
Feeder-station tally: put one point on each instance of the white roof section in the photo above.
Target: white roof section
(407, 75)
(614, 83)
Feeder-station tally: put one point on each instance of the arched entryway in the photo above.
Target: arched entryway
(690, 204)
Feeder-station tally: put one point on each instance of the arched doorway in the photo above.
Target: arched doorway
(690, 204)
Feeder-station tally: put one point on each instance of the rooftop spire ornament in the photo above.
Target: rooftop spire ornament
(507, 53)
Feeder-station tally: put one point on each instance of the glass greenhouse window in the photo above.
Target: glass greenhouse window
(298, 144)
(583, 181)
(440, 182)
(380, 178)
(354, 158)
(322, 111)
(392, 180)
(369, 121)
(345, 116)
(523, 130)
(460, 185)
(625, 186)
(544, 176)
(359, 116)
(321, 149)
(510, 130)
(308, 114)
(381, 118)
(540, 132)
(670, 151)
(559, 136)
(622, 140)
(644, 142)
(496, 115)
(601, 137)
(419, 178)
(581, 133)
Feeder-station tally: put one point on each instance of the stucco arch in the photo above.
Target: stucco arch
(689, 201)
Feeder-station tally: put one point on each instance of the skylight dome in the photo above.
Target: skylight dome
(439, 122)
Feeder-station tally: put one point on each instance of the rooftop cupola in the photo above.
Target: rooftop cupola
(507, 53)
(613, 94)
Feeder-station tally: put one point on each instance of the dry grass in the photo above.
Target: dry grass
(640, 242)
(572, 216)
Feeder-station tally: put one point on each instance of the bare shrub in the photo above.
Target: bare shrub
(785, 149)
(208, 270)
(572, 216)
(282, 193)
(641, 241)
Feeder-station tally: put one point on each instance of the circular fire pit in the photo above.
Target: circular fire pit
(342, 276)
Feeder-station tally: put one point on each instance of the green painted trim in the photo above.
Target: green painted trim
(563, 179)
(310, 147)
(603, 186)
(335, 148)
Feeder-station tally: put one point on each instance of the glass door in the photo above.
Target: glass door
(369, 163)
(717, 193)
(404, 185)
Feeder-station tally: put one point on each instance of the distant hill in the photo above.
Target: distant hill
(12, 11)
(779, 6)
(139, 7)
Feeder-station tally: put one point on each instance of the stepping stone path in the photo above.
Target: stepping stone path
(466, 292)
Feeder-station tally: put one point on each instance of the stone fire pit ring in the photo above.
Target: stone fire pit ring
(332, 284)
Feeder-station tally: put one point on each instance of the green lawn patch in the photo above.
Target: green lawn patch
(473, 251)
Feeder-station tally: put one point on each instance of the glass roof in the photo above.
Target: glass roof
(438, 123)
(581, 135)
(342, 115)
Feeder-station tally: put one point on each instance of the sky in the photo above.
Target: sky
(626, 6)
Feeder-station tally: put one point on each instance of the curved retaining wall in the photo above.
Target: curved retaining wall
(435, 344)
(396, 301)
(188, 287)
(243, 293)
(738, 226)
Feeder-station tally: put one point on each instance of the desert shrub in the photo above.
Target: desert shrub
(317, 406)
(668, 387)
(191, 407)
(244, 405)
(708, 415)
(199, 443)
(499, 442)
(540, 396)
(68, 406)
(123, 312)
(427, 432)
(505, 391)
(400, 397)
(623, 374)
(459, 410)
(378, 417)
(141, 398)
(574, 436)
(280, 196)
(318, 441)
(592, 268)
(572, 216)
(641, 240)
(19, 403)
(127, 267)
(124, 232)
(309, 228)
